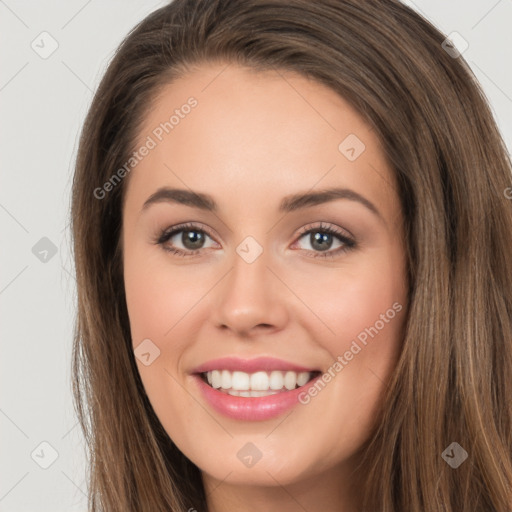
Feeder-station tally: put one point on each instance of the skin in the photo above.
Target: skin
(254, 138)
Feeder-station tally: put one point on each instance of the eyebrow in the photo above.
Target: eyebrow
(289, 203)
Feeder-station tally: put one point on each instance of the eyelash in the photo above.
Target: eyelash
(167, 234)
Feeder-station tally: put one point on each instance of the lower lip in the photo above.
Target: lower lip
(251, 408)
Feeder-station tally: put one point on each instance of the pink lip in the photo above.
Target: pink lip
(266, 364)
(251, 408)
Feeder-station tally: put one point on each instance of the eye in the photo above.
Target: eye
(321, 239)
(193, 237)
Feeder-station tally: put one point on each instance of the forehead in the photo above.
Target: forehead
(241, 103)
(257, 132)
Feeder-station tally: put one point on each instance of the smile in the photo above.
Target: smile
(257, 384)
(257, 396)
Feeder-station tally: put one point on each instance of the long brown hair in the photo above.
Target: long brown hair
(453, 381)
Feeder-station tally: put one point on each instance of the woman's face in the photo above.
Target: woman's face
(312, 281)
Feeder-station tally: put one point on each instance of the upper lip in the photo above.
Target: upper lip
(250, 365)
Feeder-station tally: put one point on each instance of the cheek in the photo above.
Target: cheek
(157, 297)
(362, 315)
(359, 303)
(157, 301)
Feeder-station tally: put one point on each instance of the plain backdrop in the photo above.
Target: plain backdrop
(54, 54)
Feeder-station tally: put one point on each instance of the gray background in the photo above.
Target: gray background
(43, 102)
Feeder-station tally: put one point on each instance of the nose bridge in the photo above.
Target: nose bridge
(251, 296)
(250, 268)
(249, 280)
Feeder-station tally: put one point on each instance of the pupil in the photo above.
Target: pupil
(319, 237)
(192, 237)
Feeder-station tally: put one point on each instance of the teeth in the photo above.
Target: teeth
(251, 393)
(302, 378)
(256, 384)
(276, 380)
(225, 379)
(259, 381)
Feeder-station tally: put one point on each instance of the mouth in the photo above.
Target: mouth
(256, 384)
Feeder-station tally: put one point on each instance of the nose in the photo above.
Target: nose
(252, 299)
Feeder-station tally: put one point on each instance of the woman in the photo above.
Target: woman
(235, 367)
